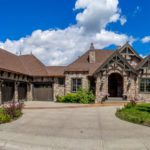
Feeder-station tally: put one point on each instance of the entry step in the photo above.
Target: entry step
(116, 100)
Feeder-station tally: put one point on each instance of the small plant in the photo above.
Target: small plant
(105, 97)
(125, 96)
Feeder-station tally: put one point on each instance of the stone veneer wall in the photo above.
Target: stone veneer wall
(57, 89)
(102, 89)
(69, 76)
(143, 96)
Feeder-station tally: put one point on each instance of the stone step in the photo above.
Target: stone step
(115, 100)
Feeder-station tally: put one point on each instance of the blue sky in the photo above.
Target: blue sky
(35, 25)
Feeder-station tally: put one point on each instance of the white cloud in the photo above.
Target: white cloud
(96, 14)
(146, 39)
(60, 47)
(123, 20)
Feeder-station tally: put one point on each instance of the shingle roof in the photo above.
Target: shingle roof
(10, 62)
(83, 61)
(30, 65)
(55, 70)
(33, 66)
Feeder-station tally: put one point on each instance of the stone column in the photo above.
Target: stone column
(16, 91)
(55, 88)
(29, 92)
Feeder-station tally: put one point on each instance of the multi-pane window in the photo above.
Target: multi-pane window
(145, 85)
(61, 81)
(76, 84)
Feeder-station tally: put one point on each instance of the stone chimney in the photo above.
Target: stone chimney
(92, 54)
(118, 47)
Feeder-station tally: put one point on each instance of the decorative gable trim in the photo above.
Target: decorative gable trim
(145, 60)
(130, 51)
(117, 60)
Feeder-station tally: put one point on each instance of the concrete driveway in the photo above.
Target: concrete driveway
(94, 128)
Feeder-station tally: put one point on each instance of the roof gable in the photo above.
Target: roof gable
(127, 49)
(116, 59)
(145, 63)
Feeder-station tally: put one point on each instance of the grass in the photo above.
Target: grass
(138, 113)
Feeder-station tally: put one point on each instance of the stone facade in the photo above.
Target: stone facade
(58, 89)
(123, 65)
(70, 76)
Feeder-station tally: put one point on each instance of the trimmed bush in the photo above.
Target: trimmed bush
(83, 96)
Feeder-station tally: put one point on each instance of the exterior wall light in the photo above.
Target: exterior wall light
(129, 82)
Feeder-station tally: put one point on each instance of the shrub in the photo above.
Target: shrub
(4, 118)
(17, 114)
(12, 108)
(83, 96)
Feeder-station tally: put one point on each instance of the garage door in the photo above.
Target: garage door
(42, 93)
(22, 91)
(7, 92)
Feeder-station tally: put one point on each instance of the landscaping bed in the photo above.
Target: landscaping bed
(83, 96)
(10, 111)
(135, 113)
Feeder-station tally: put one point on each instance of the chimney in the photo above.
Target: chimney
(92, 54)
(118, 47)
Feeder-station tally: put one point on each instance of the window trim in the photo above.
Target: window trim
(145, 92)
(72, 84)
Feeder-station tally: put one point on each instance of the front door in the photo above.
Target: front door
(115, 85)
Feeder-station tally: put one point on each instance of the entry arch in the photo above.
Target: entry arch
(115, 85)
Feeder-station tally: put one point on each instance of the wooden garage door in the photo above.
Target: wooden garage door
(22, 91)
(43, 93)
(7, 92)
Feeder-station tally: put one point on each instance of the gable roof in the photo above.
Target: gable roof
(33, 66)
(82, 63)
(116, 53)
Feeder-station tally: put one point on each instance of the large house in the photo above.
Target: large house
(121, 73)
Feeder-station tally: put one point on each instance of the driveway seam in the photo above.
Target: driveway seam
(100, 129)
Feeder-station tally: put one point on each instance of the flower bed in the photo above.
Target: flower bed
(83, 96)
(10, 111)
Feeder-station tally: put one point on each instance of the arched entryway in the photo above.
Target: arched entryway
(115, 85)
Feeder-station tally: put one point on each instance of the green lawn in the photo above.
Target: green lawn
(139, 113)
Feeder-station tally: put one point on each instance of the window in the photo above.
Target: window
(76, 84)
(145, 85)
(61, 81)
